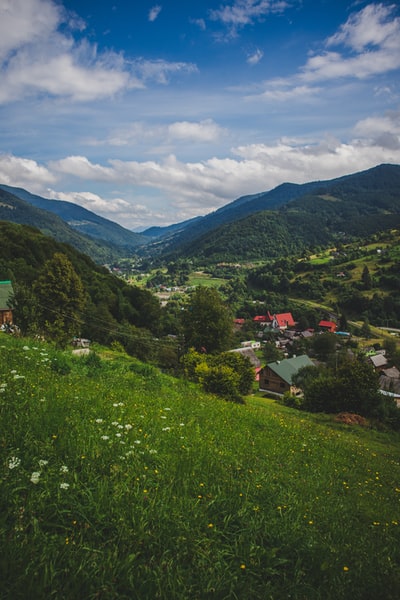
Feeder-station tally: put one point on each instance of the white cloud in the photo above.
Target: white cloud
(39, 55)
(374, 36)
(255, 57)
(154, 12)
(160, 70)
(298, 92)
(203, 131)
(372, 26)
(24, 22)
(245, 12)
(24, 172)
(91, 201)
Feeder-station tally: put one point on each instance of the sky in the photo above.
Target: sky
(150, 113)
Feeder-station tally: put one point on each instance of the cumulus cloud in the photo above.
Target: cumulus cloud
(373, 36)
(24, 172)
(154, 12)
(40, 55)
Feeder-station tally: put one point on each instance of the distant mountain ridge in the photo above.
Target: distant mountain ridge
(83, 220)
(291, 216)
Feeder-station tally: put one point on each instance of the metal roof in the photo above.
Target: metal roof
(6, 291)
(288, 367)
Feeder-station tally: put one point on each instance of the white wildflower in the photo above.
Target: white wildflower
(64, 486)
(99, 420)
(14, 462)
(166, 428)
(64, 469)
(35, 477)
(43, 463)
(105, 437)
(128, 426)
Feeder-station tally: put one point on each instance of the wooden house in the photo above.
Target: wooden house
(6, 293)
(276, 377)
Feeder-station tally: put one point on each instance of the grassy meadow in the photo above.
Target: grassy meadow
(119, 482)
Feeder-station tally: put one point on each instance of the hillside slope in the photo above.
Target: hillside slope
(16, 210)
(82, 220)
(316, 214)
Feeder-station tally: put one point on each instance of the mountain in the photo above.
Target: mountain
(82, 220)
(292, 218)
(16, 210)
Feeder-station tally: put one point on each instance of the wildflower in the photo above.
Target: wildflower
(166, 428)
(210, 525)
(128, 426)
(345, 568)
(35, 477)
(115, 423)
(43, 463)
(64, 469)
(64, 486)
(243, 566)
(105, 437)
(14, 462)
(99, 420)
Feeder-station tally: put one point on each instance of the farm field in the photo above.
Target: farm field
(119, 482)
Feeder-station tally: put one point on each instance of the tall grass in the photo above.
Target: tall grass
(120, 482)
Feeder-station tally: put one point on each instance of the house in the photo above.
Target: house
(250, 354)
(6, 293)
(379, 361)
(277, 376)
(328, 326)
(281, 320)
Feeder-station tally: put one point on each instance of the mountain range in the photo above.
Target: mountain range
(289, 218)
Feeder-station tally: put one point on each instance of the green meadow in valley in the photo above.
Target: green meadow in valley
(120, 482)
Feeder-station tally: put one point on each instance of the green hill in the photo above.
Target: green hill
(293, 219)
(82, 220)
(119, 482)
(17, 210)
(113, 306)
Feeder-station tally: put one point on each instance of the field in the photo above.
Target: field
(119, 482)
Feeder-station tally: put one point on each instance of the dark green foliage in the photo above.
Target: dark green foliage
(207, 321)
(352, 387)
(229, 374)
(60, 299)
(24, 251)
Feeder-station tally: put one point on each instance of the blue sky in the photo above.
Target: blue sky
(150, 113)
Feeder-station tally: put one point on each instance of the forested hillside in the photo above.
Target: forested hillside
(17, 210)
(82, 220)
(113, 307)
(312, 215)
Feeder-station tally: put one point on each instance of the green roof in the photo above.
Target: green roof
(288, 367)
(6, 291)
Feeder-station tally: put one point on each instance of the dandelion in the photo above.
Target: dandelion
(210, 525)
(35, 477)
(243, 566)
(64, 486)
(345, 568)
(14, 462)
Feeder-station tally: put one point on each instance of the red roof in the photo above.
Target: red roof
(283, 319)
(260, 318)
(330, 325)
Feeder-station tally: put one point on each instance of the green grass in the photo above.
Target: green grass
(152, 489)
